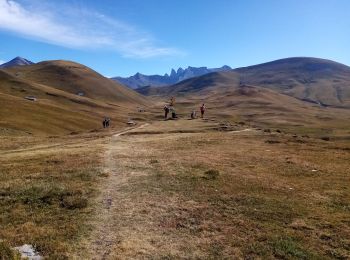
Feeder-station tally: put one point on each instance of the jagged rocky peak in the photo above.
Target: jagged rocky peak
(140, 80)
(173, 73)
(180, 70)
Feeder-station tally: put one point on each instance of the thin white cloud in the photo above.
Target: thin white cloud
(81, 29)
(2, 62)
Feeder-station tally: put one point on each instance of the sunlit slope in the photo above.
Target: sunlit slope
(228, 98)
(58, 108)
(310, 79)
(76, 78)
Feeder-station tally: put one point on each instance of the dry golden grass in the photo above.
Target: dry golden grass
(46, 188)
(249, 194)
(59, 109)
(178, 189)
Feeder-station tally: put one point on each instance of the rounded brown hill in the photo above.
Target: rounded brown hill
(60, 97)
(310, 79)
(76, 79)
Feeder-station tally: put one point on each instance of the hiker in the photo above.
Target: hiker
(106, 122)
(193, 114)
(202, 108)
(166, 112)
(173, 113)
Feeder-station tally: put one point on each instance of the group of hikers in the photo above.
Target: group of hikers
(170, 109)
(106, 122)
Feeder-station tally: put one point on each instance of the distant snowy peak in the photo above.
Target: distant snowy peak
(18, 61)
(140, 80)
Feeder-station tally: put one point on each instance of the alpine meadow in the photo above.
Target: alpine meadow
(174, 129)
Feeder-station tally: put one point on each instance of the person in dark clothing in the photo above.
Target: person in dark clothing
(106, 122)
(166, 112)
(173, 113)
(202, 109)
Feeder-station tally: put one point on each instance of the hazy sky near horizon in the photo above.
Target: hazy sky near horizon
(120, 38)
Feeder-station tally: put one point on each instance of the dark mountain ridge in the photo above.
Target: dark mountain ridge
(140, 80)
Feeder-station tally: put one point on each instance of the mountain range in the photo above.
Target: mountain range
(140, 80)
(54, 97)
(314, 80)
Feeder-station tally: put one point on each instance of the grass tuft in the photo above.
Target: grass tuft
(74, 202)
(7, 253)
(211, 174)
(287, 247)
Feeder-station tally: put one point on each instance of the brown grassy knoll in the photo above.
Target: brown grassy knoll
(58, 109)
(305, 78)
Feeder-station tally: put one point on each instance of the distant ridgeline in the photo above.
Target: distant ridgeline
(318, 81)
(140, 80)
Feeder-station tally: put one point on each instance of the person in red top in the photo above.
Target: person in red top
(202, 109)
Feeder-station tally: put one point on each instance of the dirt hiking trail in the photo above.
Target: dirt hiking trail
(123, 225)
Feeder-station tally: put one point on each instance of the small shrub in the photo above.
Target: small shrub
(272, 142)
(104, 175)
(211, 174)
(153, 161)
(74, 202)
(43, 194)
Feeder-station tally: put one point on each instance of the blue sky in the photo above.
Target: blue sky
(120, 38)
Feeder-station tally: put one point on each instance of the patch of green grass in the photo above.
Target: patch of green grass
(43, 194)
(289, 248)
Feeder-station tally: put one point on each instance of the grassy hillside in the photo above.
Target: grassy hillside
(312, 80)
(300, 94)
(227, 100)
(59, 109)
(74, 78)
(316, 80)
